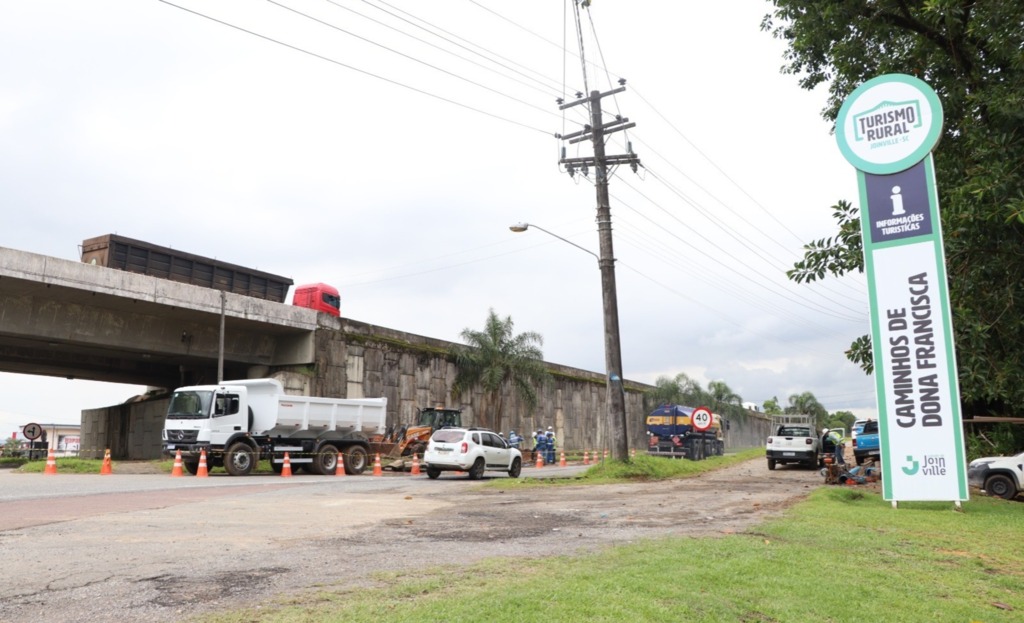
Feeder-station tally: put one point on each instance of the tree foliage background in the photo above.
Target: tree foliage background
(497, 359)
(682, 390)
(972, 54)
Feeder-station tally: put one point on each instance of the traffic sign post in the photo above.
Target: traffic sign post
(32, 431)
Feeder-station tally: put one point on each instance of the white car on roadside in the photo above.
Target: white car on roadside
(471, 450)
(1001, 476)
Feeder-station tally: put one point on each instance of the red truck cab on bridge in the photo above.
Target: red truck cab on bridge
(318, 296)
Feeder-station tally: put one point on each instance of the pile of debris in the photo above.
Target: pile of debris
(841, 474)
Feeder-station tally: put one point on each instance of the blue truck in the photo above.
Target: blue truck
(866, 444)
(670, 433)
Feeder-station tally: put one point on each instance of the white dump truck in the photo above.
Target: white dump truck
(239, 422)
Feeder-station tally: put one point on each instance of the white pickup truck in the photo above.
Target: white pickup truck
(794, 439)
(1001, 476)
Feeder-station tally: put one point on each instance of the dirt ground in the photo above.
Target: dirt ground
(176, 559)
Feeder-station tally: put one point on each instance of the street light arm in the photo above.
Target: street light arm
(521, 227)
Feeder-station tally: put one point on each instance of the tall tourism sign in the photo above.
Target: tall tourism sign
(887, 129)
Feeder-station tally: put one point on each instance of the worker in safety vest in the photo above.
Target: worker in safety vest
(835, 438)
(514, 440)
(550, 435)
(540, 443)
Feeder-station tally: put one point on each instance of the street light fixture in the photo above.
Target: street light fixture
(521, 227)
(616, 397)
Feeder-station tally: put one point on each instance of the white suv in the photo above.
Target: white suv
(472, 450)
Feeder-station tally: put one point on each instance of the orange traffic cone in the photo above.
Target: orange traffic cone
(106, 469)
(176, 470)
(286, 467)
(202, 471)
(51, 464)
(339, 470)
(540, 459)
(415, 465)
(586, 457)
(377, 471)
(632, 453)
(561, 461)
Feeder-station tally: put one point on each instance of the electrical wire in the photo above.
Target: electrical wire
(548, 84)
(356, 69)
(411, 58)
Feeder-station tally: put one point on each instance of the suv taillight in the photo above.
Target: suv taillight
(465, 447)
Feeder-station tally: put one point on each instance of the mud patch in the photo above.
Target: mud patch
(176, 591)
(483, 526)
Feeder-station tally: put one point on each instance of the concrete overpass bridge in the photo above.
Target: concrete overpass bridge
(70, 319)
(67, 318)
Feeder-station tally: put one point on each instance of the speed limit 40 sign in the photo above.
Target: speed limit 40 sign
(701, 418)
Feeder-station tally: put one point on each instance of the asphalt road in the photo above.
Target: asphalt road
(33, 499)
(154, 549)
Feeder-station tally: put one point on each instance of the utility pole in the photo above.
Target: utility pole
(595, 132)
(220, 347)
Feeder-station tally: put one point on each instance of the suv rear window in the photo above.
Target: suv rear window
(449, 436)
(870, 428)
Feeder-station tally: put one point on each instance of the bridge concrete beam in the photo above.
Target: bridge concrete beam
(95, 322)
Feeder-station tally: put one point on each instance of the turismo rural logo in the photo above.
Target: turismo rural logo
(888, 123)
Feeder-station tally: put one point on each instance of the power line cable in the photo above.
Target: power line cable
(722, 203)
(727, 229)
(549, 84)
(712, 245)
(411, 58)
(717, 168)
(356, 69)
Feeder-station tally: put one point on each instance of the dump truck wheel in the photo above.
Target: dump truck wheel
(326, 461)
(355, 460)
(191, 466)
(240, 459)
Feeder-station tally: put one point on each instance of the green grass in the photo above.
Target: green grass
(843, 555)
(74, 465)
(638, 469)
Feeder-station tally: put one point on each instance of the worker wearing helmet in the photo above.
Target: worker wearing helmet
(540, 443)
(514, 440)
(550, 457)
(832, 437)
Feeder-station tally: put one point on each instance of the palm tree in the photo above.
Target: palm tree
(681, 390)
(496, 358)
(722, 395)
(807, 404)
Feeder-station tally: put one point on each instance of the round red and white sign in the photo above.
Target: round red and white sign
(701, 418)
(32, 431)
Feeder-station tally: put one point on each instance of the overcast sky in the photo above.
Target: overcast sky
(386, 147)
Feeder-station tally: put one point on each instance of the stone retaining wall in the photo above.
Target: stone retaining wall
(356, 360)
